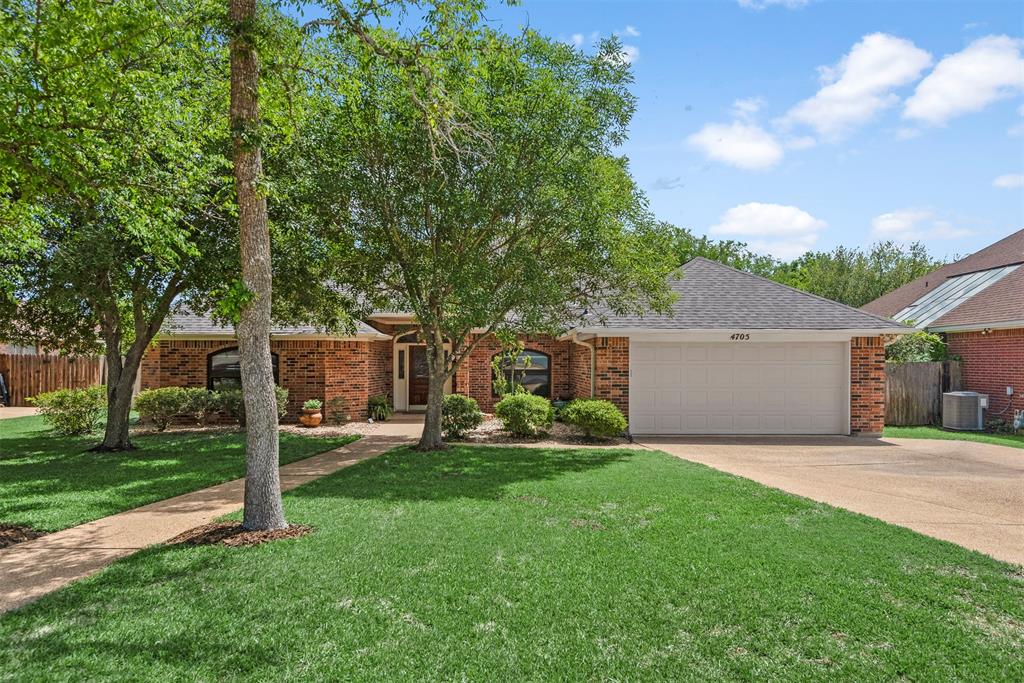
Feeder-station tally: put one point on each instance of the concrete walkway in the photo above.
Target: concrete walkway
(32, 569)
(8, 412)
(971, 494)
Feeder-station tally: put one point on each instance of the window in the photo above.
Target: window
(223, 370)
(531, 370)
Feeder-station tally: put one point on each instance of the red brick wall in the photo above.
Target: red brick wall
(991, 363)
(473, 377)
(322, 369)
(579, 370)
(867, 385)
(611, 378)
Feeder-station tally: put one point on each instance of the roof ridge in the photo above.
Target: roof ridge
(792, 289)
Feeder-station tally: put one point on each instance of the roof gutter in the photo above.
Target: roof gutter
(978, 327)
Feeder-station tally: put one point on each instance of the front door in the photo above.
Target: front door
(419, 377)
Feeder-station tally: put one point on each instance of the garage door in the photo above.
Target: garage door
(738, 388)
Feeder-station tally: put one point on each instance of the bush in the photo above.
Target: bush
(595, 418)
(459, 414)
(379, 407)
(201, 404)
(524, 414)
(159, 406)
(312, 404)
(231, 403)
(919, 347)
(72, 411)
(337, 411)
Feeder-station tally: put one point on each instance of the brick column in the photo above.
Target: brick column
(611, 378)
(867, 386)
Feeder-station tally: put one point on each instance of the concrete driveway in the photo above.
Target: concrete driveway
(969, 493)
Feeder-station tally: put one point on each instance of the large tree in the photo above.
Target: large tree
(522, 219)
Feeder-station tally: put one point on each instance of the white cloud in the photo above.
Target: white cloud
(744, 145)
(1009, 181)
(913, 225)
(630, 31)
(801, 142)
(762, 4)
(782, 231)
(987, 70)
(668, 183)
(860, 85)
(747, 107)
(630, 54)
(577, 40)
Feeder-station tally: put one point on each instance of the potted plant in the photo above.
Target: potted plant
(311, 415)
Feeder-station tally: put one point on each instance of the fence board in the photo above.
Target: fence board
(29, 374)
(913, 391)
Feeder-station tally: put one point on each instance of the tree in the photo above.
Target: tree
(918, 347)
(521, 219)
(856, 277)
(686, 246)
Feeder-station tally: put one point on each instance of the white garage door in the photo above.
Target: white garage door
(738, 388)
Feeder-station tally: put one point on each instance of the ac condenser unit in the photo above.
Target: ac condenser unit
(964, 410)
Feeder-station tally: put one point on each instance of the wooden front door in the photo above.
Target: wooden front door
(419, 377)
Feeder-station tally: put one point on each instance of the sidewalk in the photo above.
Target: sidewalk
(9, 412)
(35, 568)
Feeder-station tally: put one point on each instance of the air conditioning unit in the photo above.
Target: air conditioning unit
(964, 410)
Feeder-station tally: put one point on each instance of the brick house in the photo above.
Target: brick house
(977, 304)
(737, 354)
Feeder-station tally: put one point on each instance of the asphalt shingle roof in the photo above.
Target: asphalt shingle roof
(714, 296)
(187, 323)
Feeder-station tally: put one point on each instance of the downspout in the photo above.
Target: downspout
(593, 362)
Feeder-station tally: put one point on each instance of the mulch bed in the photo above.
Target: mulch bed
(17, 533)
(232, 534)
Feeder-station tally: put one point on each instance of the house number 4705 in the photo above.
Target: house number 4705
(740, 336)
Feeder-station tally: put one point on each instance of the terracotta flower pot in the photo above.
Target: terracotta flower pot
(311, 417)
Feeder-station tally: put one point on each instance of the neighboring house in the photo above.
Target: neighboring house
(738, 354)
(977, 303)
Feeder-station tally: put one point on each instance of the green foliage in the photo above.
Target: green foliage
(379, 407)
(160, 406)
(687, 246)
(595, 418)
(201, 403)
(459, 414)
(525, 414)
(232, 403)
(312, 404)
(72, 411)
(337, 411)
(918, 347)
(502, 383)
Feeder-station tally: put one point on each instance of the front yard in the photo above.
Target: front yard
(51, 483)
(1011, 440)
(485, 563)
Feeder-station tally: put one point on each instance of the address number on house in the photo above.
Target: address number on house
(740, 336)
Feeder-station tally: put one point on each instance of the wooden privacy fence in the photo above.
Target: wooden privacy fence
(30, 374)
(913, 391)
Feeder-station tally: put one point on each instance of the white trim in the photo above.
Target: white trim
(380, 336)
(755, 335)
(977, 327)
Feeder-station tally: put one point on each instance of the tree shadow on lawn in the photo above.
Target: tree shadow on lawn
(458, 472)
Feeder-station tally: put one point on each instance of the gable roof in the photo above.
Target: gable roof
(713, 296)
(1001, 302)
(1006, 252)
(189, 324)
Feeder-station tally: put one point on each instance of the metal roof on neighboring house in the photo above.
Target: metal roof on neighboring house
(1000, 303)
(186, 323)
(713, 296)
(949, 295)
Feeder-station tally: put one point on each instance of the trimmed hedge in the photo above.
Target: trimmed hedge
(459, 414)
(525, 414)
(594, 417)
(72, 411)
(161, 406)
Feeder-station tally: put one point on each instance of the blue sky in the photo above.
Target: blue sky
(793, 125)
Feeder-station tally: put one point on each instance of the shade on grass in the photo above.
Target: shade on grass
(50, 482)
(496, 564)
(1011, 440)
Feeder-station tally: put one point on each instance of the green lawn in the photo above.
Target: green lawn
(491, 564)
(1012, 440)
(51, 483)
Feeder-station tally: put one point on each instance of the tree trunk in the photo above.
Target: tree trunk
(263, 507)
(120, 383)
(430, 439)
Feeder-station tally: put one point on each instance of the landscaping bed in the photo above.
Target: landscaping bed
(50, 482)
(559, 434)
(538, 564)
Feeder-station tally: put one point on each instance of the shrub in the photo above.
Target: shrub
(231, 403)
(524, 414)
(337, 411)
(72, 411)
(312, 404)
(919, 347)
(159, 406)
(459, 414)
(595, 418)
(379, 407)
(201, 404)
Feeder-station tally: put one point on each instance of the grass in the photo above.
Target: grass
(528, 564)
(51, 483)
(1011, 440)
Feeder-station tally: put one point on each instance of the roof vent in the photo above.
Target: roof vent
(964, 410)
